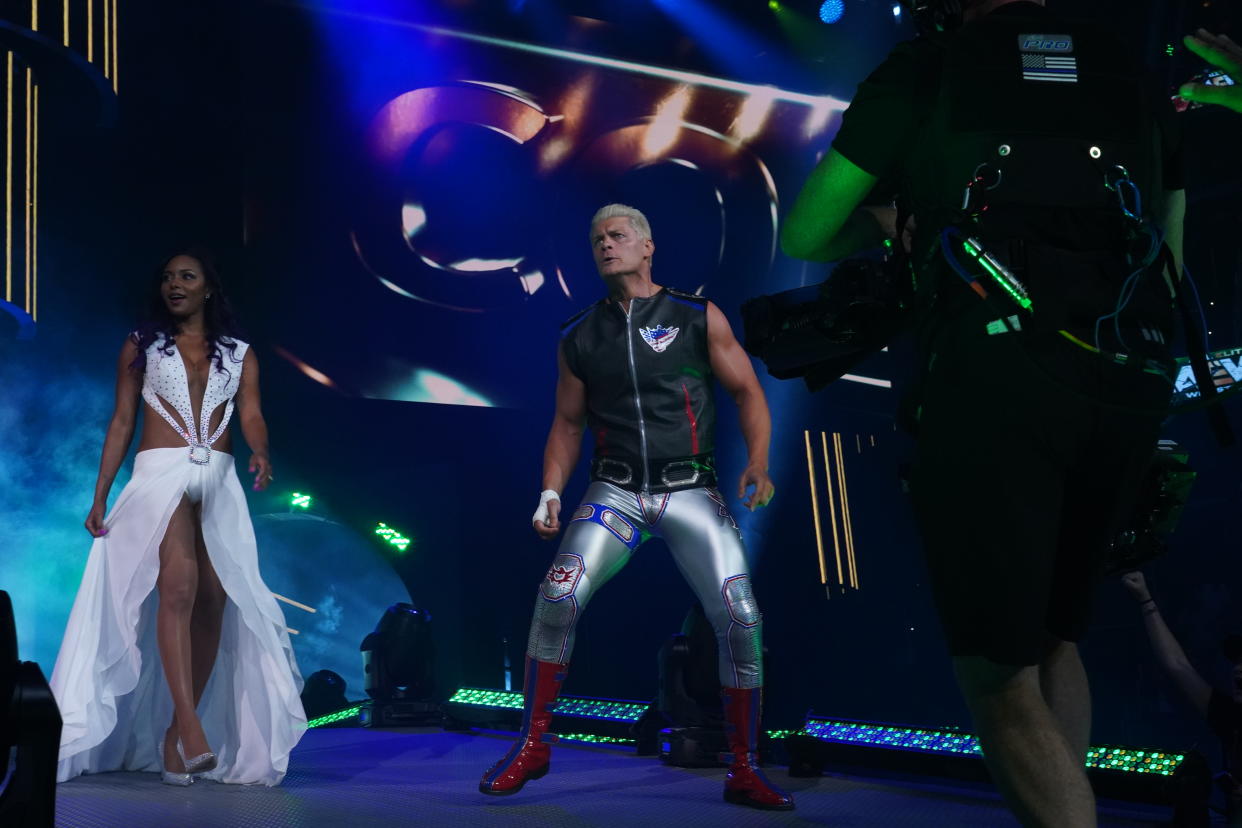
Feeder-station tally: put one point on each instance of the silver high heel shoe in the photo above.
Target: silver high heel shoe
(199, 764)
(181, 780)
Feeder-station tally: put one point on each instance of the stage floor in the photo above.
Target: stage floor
(381, 778)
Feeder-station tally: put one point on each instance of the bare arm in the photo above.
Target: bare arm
(824, 224)
(560, 454)
(253, 426)
(120, 433)
(733, 368)
(1168, 651)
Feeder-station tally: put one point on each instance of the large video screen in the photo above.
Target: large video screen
(446, 179)
(1226, 369)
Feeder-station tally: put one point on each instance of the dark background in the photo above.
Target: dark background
(243, 125)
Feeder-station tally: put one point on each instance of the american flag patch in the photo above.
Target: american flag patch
(1052, 68)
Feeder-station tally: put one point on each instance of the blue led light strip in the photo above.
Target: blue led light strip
(958, 743)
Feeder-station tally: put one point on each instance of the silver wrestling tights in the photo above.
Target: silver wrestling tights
(602, 535)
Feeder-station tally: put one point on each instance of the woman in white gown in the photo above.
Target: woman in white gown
(172, 619)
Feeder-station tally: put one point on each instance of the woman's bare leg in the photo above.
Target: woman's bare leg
(177, 584)
(208, 615)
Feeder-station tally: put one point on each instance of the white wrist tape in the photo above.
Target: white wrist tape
(541, 514)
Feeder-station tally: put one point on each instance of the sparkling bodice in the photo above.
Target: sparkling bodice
(166, 379)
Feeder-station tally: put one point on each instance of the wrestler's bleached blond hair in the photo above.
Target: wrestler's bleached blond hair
(637, 219)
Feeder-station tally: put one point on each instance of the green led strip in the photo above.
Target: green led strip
(956, 742)
(619, 711)
(593, 739)
(1134, 761)
(338, 716)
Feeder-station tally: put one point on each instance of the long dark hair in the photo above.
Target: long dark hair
(219, 326)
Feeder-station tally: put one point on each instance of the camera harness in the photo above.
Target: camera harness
(983, 268)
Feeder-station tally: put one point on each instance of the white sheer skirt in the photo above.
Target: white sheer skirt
(108, 678)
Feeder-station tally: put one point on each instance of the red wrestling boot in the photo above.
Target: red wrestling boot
(746, 784)
(528, 758)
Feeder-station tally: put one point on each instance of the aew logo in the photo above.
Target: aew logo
(1046, 44)
(659, 337)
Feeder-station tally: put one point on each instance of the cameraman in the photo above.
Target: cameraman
(1222, 710)
(1032, 436)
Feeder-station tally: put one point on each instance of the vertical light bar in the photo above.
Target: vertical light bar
(28, 181)
(107, 39)
(116, 42)
(847, 526)
(858, 442)
(65, 24)
(34, 213)
(832, 508)
(34, 15)
(819, 538)
(8, 178)
(90, 30)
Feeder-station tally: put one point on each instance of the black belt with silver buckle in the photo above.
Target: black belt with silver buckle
(665, 475)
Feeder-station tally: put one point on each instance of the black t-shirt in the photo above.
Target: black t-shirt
(890, 128)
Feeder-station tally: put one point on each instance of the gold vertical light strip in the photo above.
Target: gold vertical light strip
(832, 508)
(819, 538)
(90, 30)
(65, 23)
(28, 182)
(107, 39)
(34, 213)
(8, 178)
(847, 520)
(34, 15)
(847, 525)
(116, 44)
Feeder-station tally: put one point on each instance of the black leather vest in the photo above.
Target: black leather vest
(648, 377)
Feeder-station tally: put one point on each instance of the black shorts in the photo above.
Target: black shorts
(1021, 482)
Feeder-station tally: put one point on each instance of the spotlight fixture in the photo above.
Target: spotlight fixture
(323, 694)
(297, 500)
(832, 11)
(397, 661)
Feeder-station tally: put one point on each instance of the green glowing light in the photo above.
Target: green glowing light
(302, 501)
(999, 273)
(338, 716)
(774, 5)
(613, 710)
(392, 537)
(593, 739)
(960, 743)
(781, 734)
(1168, 50)
(1134, 761)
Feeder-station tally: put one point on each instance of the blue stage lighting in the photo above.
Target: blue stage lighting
(897, 12)
(832, 10)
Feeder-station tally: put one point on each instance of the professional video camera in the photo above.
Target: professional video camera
(820, 331)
